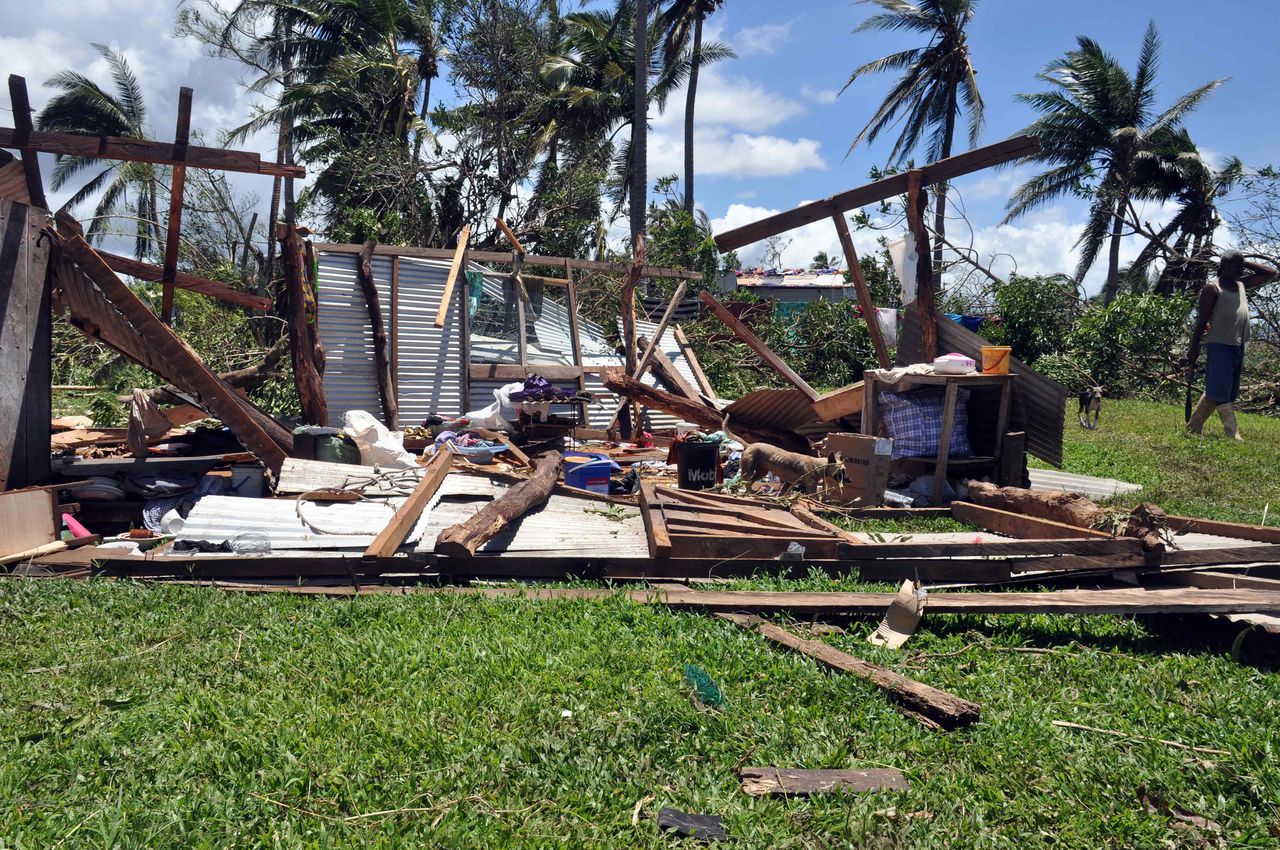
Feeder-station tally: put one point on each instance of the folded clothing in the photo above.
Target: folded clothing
(914, 422)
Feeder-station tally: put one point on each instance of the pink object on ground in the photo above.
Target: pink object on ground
(75, 527)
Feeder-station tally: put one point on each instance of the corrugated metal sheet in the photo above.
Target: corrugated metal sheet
(1041, 399)
(350, 378)
(776, 408)
(430, 361)
(564, 526)
(347, 525)
(1094, 488)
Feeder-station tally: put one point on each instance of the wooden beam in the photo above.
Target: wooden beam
(833, 405)
(167, 346)
(516, 372)
(149, 271)
(923, 304)
(650, 347)
(789, 782)
(459, 259)
(666, 372)
(406, 516)
(691, 357)
(394, 333)
(1238, 530)
(937, 706)
(864, 292)
(511, 236)
(575, 333)
(173, 239)
(1217, 580)
(143, 150)
(896, 184)
(465, 539)
(505, 258)
(757, 345)
(25, 345)
(20, 138)
(381, 354)
(1020, 525)
(302, 336)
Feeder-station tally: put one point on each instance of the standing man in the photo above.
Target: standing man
(1224, 309)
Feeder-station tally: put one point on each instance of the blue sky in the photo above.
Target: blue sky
(772, 132)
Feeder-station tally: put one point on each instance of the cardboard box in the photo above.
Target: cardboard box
(866, 468)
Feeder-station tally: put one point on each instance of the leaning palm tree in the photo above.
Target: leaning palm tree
(1096, 130)
(938, 82)
(128, 189)
(640, 117)
(681, 26)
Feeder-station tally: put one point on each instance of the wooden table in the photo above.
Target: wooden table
(952, 384)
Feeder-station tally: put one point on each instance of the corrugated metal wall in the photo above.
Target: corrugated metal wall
(430, 359)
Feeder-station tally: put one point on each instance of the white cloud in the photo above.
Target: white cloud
(722, 153)
(729, 101)
(817, 95)
(763, 39)
(801, 243)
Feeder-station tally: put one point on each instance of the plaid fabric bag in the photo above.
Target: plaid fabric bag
(914, 422)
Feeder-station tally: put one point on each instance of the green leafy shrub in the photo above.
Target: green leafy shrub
(1036, 315)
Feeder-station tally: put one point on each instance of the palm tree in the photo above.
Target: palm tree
(640, 118)
(938, 82)
(1096, 130)
(678, 22)
(85, 108)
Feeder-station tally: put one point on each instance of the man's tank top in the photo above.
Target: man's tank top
(1229, 321)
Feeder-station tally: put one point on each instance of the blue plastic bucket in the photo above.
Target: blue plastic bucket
(590, 475)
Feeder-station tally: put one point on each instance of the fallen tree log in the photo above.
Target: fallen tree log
(1146, 523)
(465, 538)
(936, 706)
(381, 348)
(617, 380)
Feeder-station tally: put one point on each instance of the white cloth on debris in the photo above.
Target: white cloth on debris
(492, 416)
(379, 445)
(893, 376)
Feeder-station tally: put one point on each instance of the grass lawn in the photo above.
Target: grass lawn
(136, 715)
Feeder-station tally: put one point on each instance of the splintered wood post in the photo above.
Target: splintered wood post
(924, 303)
(465, 539)
(302, 347)
(664, 370)
(522, 316)
(459, 260)
(757, 345)
(381, 357)
(406, 516)
(864, 293)
(939, 707)
(652, 346)
(22, 136)
(629, 326)
(177, 186)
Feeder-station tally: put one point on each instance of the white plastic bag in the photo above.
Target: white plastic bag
(378, 445)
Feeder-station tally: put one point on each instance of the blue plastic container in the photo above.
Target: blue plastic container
(592, 474)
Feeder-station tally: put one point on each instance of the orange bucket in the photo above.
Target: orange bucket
(995, 359)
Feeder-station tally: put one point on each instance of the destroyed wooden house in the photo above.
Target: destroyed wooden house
(411, 333)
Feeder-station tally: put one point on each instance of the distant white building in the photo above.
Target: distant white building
(789, 287)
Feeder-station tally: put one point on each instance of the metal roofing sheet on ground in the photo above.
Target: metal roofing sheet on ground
(564, 527)
(346, 525)
(1088, 485)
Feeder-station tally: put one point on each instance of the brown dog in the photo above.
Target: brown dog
(804, 472)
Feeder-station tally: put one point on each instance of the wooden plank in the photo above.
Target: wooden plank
(757, 345)
(13, 183)
(944, 440)
(996, 548)
(923, 304)
(505, 258)
(655, 526)
(464, 539)
(394, 341)
(26, 520)
(937, 706)
(25, 347)
(459, 259)
(406, 516)
(1012, 459)
(575, 334)
(381, 354)
(691, 357)
(666, 372)
(833, 405)
(791, 782)
(510, 234)
(864, 292)
(888, 187)
(21, 139)
(167, 346)
(1020, 525)
(148, 271)
(145, 150)
(1217, 580)
(516, 372)
(173, 239)
(1238, 530)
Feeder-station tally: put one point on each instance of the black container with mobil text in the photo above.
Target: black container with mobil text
(697, 465)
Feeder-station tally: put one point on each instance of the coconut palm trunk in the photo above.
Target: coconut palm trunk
(640, 121)
(1112, 286)
(690, 100)
(940, 191)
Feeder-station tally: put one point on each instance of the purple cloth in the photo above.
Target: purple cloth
(914, 421)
